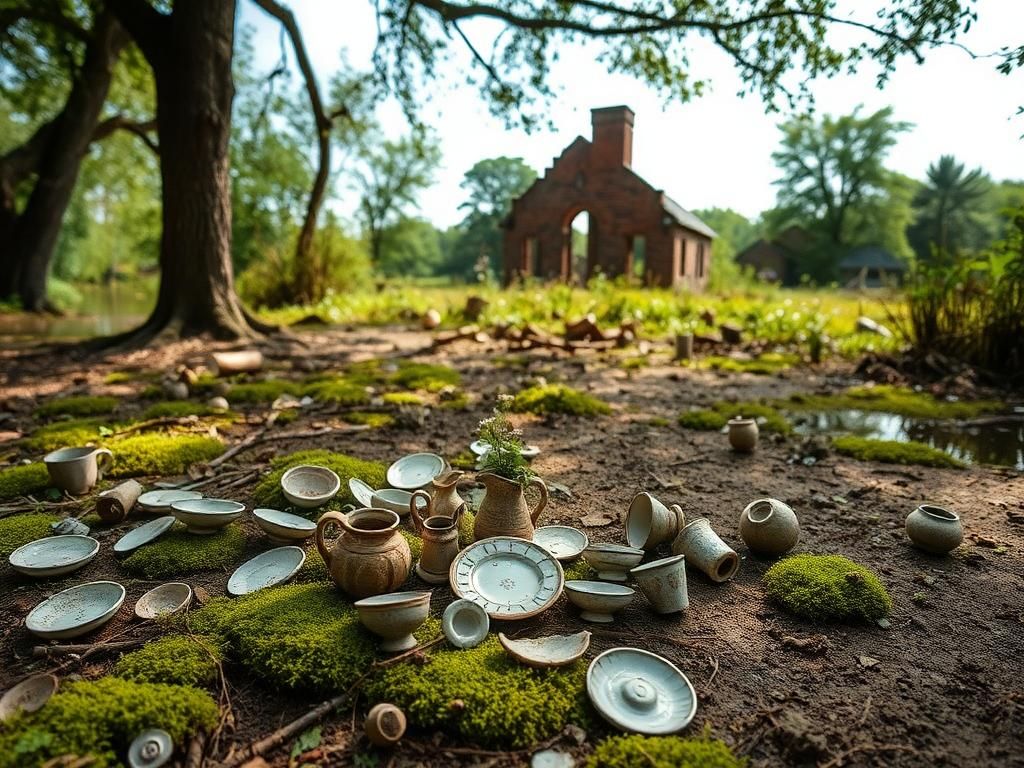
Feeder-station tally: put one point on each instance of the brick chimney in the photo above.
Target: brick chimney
(613, 136)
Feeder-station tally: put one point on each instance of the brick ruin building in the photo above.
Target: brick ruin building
(634, 228)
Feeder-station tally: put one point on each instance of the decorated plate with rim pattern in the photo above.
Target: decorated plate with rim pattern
(510, 578)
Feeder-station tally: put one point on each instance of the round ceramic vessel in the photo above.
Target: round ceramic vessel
(935, 529)
(27, 696)
(706, 550)
(415, 471)
(649, 522)
(165, 600)
(598, 600)
(54, 555)
(551, 651)
(562, 541)
(663, 583)
(743, 434)
(308, 486)
(385, 725)
(283, 527)
(509, 578)
(75, 611)
(769, 527)
(206, 516)
(639, 691)
(160, 501)
(396, 500)
(612, 561)
(394, 617)
(150, 749)
(465, 623)
(275, 566)
(361, 492)
(143, 534)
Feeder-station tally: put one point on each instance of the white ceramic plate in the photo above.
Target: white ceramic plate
(551, 651)
(415, 471)
(283, 527)
(159, 501)
(143, 534)
(509, 578)
(361, 491)
(639, 691)
(164, 600)
(54, 555)
(27, 696)
(206, 515)
(562, 541)
(75, 611)
(267, 569)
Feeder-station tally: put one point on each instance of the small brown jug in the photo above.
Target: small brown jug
(440, 536)
(443, 500)
(503, 511)
(370, 557)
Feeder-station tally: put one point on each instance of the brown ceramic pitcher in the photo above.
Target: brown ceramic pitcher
(443, 500)
(440, 536)
(503, 511)
(370, 557)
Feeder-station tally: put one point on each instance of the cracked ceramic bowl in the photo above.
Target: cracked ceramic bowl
(598, 600)
(308, 486)
(612, 561)
(394, 617)
(562, 541)
(27, 696)
(206, 516)
(641, 692)
(283, 527)
(54, 555)
(75, 611)
(550, 651)
(275, 566)
(415, 471)
(361, 492)
(465, 623)
(165, 600)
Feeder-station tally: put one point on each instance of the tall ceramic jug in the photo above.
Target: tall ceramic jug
(443, 499)
(503, 511)
(440, 535)
(370, 557)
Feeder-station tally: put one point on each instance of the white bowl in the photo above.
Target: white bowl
(274, 566)
(160, 501)
(283, 527)
(598, 599)
(562, 541)
(27, 696)
(205, 516)
(361, 492)
(164, 600)
(54, 555)
(143, 534)
(465, 623)
(75, 611)
(308, 486)
(551, 651)
(150, 749)
(415, 471)
(396, 500)
(612, 561)
(639, 691)
(394, 617)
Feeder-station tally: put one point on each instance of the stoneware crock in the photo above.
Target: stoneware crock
(743, 434)
(440, 536)
(370, 557)
(705, 549)
(935, 529)
(769, 527)
(649, 522)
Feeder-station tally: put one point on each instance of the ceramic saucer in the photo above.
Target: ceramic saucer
(160, 501)
(510, 578)
(267, 569)
(54, 555)
(639, 691)
(75, 611)
(415, 471)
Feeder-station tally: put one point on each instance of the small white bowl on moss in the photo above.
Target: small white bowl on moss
(283, 527)
(308, 486)
(394, 617)
(207, 516)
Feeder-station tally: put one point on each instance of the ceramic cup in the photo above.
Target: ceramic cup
(76, 470)
(705, 549)
(935, 529)
(663, 583)
(649, 522)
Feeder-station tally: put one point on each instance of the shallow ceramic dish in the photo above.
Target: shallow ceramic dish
(27, 696)
(54, 555)
(143, 534)
(150, 749)
(509, 578)
(283, 527)
(309, 486)
(394, 617)
(640, 691)
(612, 561)
(205, 516)
(551, 651)
(361, 492)
(598, 599)
(465, 623)
(274, 566)
(562, 541)
(164, 600)
(415, 471)
(160, 501)
(396, 500)
(75, 611)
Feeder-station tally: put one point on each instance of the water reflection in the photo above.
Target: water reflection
(104, 309)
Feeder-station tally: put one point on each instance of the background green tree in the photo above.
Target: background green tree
(949, 209)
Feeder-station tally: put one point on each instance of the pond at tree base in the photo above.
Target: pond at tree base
(104, 309)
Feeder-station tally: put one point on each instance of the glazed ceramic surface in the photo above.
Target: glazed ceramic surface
(598, 600)
(509, 578)
(143, 534)
(504, 511)
(283, 527)
(743, 434)
(465, 623)
(395, 499)
(164, 600)
(307, 486)
(639, 691)
(769, 527)
(935, 529)
(663, 583)
(54, 555)
(205, 516)
(394, 617)
(385, 724)
(158, 501)
(415, 471)
(551, 651)
(76, 470)
(27, 696)
(75, 611)
(370, 557)
(705, 549)
(612, 561)
(274, 566)
(362, 492)
(150, 749)
(563, 542)
(649, 522)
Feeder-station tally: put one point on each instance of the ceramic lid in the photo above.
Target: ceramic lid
(53, 552)
(415, 470)
(510, 578)
(639, 691)
(143, 534)
(75, 607)
(150, 749)
(271, 567)
(362, 492)
(562, 541)
(155, 500)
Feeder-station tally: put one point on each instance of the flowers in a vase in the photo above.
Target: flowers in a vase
(504, 456)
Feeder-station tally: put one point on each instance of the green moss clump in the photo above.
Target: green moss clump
(765, 365)
(430, 377)
(825, 588)
(465, 459)
(894, 452)
(370, 419)
(466, 523)
(534, 704)
(178, 553)
(457, 401)
(118, 377)
(313, 570)
(77, 405)
(578, 569)
(162, 454)
(287, 416)
(263, 391)
(715, 418)
(558, 398)
(337, 391)
(17, 530)
(179, 409)
(402, 398)
(268, 491)
(23, 480)
(898, 400)
(663, 752)
(176, 659)
(61, 434)
(100, 718)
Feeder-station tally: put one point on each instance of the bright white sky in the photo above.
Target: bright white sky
(714, 151)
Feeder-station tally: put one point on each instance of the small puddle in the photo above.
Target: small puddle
(996, 439)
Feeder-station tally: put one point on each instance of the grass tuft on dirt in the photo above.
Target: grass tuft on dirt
(337, 391)
(100, 718)
(23, 480)
(894, 452)
(178, 553)
(175, 659)
(767, 364)
(898, 400)
(18, 530)
(432, 378)
(252, 392)
(370, 419)
(268, 491)
(827, 588)
(402, 398)
(558, 398)
(534, 704)
(77, 405)
(162, 454)
(717, 416)
(180, 409)
(663, 752)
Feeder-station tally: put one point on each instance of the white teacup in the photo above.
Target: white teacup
(77, 470)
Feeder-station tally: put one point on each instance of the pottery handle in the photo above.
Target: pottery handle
(104, 458)
(458, 515)
(321, 525)
(680, 516)
(543, 499)
(414, 508)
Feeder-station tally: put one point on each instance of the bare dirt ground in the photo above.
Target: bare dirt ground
(941, 686)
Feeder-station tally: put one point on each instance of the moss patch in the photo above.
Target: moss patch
(17, 530)
(176, 659)
(898, 400)
(402, 398)
(179, 409)
(100, 718)
(118, 377)
(161, 454)
(578, 569)
(432, 378)
(717, 416)
(77, 405)
(338, 391)
(370, 419)
(268, 491)
(466, 523)
(894, 452)
(558, 398)
(23, 480)
(262, 391)
(663, 752)
(825, 588)
(765, 365)
(61, 434)
(178, 553)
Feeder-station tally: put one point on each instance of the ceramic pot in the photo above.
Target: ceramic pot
(76, 470)
(935, 529)
(440, 535)
(384, 725)
(370, 557)
(705, 549)
(649, 522)
(769, 527)
(503, 511)
(743, 434)
(663, 582)
(443, 500)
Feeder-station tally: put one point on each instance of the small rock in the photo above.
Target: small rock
(201, 595)
(731, 334)
(285, 402)
(576, 734)
(560, 491)
(219, 402)
(883, 623)
(551, 758)
(430, 320)
(456, 705)
(595, 520)
(868, 325)
(924, 578)
(175, 390)
(867, 661)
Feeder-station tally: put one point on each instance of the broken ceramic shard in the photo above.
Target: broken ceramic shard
(415, 471)
(550, 651)
(206, 516)
(562, 541)
(27, 696)
(283, 527)
(160, 501)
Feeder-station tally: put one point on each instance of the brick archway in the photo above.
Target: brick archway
(572, 271)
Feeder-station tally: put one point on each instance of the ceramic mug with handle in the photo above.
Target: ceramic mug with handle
(77, 470)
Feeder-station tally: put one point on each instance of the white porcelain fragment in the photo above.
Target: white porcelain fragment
(550, 651)
(144, 534)
(27, 696)
(275, 566)
(283, 527)
(165, 600)
(206, 516)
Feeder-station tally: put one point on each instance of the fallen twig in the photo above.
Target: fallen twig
(85, 649)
